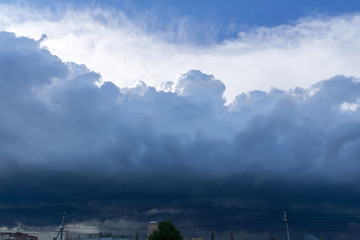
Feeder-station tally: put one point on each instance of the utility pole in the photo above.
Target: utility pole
(285, 220)
(62, 225)
(212, 234)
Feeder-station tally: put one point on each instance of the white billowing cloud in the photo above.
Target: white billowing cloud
(200, 87)
(122, 52)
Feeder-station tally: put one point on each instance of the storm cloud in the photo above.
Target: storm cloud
(71, 141)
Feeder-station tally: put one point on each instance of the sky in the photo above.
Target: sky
(215, 114)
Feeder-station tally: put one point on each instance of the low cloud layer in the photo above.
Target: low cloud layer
(71, 142)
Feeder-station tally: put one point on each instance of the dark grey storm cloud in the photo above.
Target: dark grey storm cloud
(101, 152)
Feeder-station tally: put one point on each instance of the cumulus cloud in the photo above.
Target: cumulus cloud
(200, 87)
(123, 51)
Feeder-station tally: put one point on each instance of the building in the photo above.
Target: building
(152, 226)
(17, 236)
